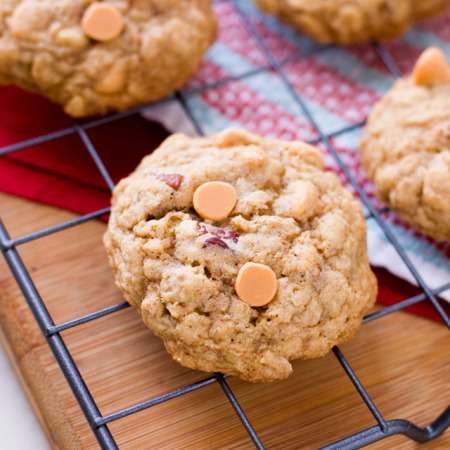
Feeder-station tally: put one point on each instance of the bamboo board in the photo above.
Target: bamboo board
(402, 360)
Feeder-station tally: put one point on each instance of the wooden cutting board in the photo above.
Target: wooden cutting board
(402, 360)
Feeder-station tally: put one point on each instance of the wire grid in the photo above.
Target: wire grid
(99, 423)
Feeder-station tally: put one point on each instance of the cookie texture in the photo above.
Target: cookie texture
(352, 21)
(43, 49)
(406, 151)
(179, 270)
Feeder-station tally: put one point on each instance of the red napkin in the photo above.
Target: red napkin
(61, 172)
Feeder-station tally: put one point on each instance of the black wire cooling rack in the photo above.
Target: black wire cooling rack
(99, 423)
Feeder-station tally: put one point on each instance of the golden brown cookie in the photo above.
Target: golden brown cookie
(406, 146)
(283, 276)
(352, 21)
(100, 56)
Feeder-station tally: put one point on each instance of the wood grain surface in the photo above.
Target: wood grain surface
(402, 360)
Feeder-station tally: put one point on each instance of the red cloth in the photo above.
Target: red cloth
(61, 172)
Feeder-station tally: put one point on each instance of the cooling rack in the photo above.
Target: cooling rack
(268, 57)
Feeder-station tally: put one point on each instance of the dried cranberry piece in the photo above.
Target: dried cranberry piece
(201, 229)
(233, 236)
(215, 241)
(173, 180)
(219, 235)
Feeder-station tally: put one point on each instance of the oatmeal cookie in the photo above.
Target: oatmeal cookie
(94, 57)
(406, 146)
(352, 21)
(283, 274)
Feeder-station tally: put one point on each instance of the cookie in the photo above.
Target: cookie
(406, 146)
(283, 274)
(352, 21)
(93, 57)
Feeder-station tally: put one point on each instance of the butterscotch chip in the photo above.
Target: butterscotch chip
(305, 198)
(94, 57)
(406, 150)
(431, 68)
(256, 284)
(300, 200)
(280, 278)
(214, 200)
(101, 21)
(352, 21)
